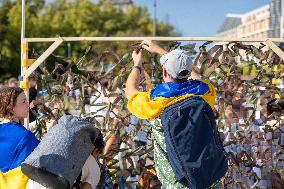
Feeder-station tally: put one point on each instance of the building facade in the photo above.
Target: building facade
(275, 17)
(121, 4)
(263, 22)
(253, 24)
(230, 26)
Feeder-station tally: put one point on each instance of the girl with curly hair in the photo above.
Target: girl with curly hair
(16, 142)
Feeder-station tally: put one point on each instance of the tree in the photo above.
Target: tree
(68, 18)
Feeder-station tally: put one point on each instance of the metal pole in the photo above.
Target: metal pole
(23, 32)
(155, 19)
(24, 56)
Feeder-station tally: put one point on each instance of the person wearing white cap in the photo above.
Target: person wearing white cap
(177, 69)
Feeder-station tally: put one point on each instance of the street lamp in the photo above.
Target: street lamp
(155, 19)
(23, 30)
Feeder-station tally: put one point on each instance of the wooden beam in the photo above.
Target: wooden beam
(43, 57)
(41, 39)
(275, 48)
(214, 39)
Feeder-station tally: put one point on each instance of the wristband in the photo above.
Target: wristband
(137, 67)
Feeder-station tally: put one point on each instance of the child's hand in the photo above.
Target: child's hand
(50, 123)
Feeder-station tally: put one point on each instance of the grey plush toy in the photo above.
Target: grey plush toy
(59, 158)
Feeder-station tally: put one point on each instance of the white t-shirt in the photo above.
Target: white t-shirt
(91, 172)
(34, 185)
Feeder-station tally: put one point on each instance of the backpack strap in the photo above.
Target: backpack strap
(78, 182)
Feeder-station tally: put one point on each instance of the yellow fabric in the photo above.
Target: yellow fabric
(143, 107)
(13, 179)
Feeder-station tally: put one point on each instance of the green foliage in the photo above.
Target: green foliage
(68, 18)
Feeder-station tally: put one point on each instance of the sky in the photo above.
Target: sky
(198, 18)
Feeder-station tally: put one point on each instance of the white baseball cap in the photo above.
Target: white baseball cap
(177, 61)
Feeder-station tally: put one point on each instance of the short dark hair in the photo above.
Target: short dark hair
(8, 99)
(182, 73)
(32, 77)
(99, 142)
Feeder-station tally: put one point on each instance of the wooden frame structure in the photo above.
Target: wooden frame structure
(31, 64)
(28, 66)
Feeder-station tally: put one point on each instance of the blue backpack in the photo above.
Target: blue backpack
(194, 148)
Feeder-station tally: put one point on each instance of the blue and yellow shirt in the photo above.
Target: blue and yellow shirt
(16, 144)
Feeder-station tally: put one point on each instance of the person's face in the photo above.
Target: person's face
(32, 83)
(70, 86)
(14, 84)
(21, 108)
(56, 105)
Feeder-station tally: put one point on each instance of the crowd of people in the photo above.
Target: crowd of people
(255, 154)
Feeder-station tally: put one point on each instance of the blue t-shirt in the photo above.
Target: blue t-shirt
(16, 144)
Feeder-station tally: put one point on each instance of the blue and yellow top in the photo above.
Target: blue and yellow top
(16, 144)
(149, 105)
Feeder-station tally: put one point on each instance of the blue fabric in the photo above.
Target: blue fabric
(170, 89)
(16, 144)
